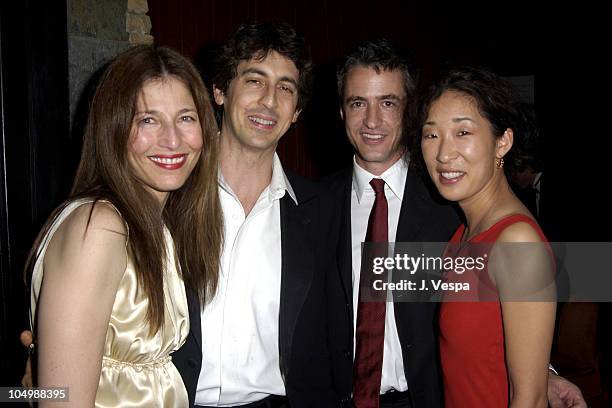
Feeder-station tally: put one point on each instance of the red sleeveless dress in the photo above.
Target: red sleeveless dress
(472, 337)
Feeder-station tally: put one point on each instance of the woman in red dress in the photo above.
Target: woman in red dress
(494, 352)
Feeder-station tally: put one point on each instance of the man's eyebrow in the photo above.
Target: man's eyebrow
(353, 98)
(290, 80)
(253, 70)
(389, 96)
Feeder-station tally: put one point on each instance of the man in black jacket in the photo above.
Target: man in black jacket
(376, 89)
(261, 340)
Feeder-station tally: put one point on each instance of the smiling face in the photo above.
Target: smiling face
(372, 108)
(459, 147)
(166, 136)
(260, 103)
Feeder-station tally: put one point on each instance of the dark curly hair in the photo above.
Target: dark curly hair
(495, 99)
(256, 41)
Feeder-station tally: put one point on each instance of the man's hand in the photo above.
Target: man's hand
(27, 341)
(563, 393)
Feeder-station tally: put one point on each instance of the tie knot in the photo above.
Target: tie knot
(378, 185)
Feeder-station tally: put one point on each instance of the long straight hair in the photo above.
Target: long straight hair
(192, 213)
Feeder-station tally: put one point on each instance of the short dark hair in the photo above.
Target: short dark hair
(494, 97)
(257, 41)
(379, 55)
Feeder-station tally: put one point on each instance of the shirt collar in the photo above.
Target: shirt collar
(278, 184)
(394, 177)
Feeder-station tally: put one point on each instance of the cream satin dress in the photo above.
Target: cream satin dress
(137, 370)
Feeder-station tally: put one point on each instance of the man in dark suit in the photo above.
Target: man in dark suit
(375, 89)
(261, 340)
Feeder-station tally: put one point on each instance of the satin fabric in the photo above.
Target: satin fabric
(137, 370)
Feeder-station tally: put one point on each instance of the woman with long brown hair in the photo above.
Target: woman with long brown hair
(109, 269)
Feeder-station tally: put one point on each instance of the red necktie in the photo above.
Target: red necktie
(370, 331)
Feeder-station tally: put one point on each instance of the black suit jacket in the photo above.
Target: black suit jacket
(424, 217)
(308, 256)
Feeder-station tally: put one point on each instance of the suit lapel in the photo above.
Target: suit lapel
(195, 323)
(297, 246)
(345, 250)
(422, 218)
(415, 210)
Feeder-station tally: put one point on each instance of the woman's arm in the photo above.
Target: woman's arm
(83, 266)
(528, 328)
(528, 314)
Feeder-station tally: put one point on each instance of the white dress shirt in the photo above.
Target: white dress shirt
(362, 200)
(240, 350)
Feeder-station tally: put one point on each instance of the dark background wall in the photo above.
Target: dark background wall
(41, 85)
(429, 34)
(49, 51)
(35, 137)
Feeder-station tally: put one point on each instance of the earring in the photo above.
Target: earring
(499, 163)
